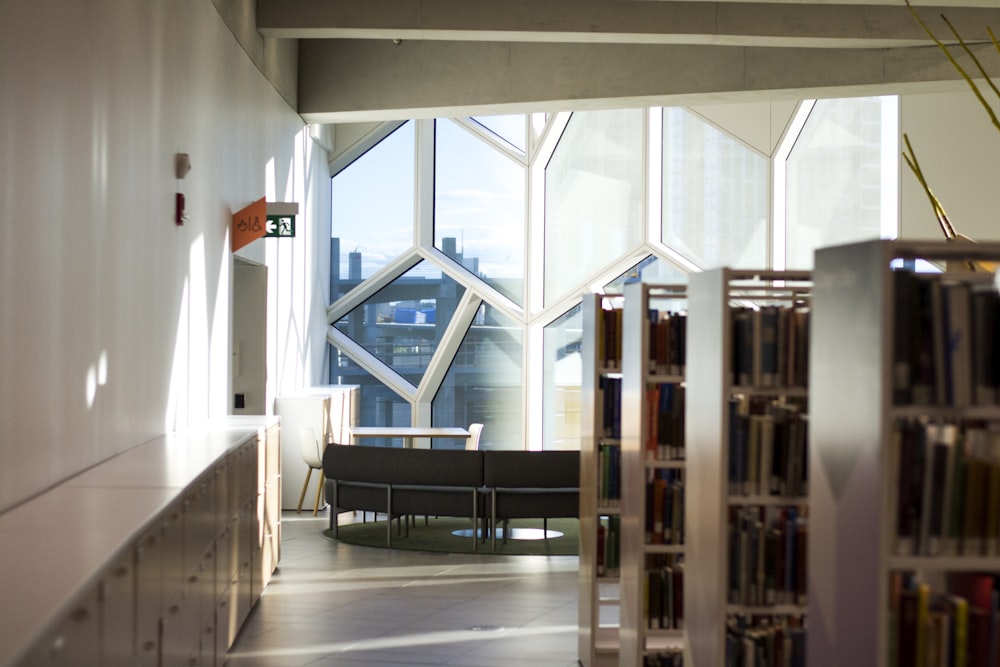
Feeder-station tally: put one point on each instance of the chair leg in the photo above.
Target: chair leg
(302, 496)
(319, 491)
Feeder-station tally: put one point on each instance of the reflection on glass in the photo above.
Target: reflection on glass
(716, 194)
(650, 270)
(484, 384)
(834, 175)
(479, 196)
(380, 406)
(594, 191)
(402, 323)
(562, 381)
(372, 210)
(510, 129)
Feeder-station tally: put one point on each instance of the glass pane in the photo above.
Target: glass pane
(563, 380)
(716, 194)
(484, 383)
(593, 197)
(510, 129)
(402, 323)
(379, 405)
(835, 176)
(372, 210)
(650, 270)
(479, 199)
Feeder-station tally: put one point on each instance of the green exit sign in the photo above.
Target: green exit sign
(280, 226)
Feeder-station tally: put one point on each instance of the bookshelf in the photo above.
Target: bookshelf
(653, 475)
(600, 509)
(747, 456)
(905, 493)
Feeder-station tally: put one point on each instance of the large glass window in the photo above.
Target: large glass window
(510, 129)
(563, 379)
(372, 210)
(380, 406)
(484, 383)
(835, 175)
(594, 194)
(601, 184)
(402, 323)
(479, 208)
(716, 194)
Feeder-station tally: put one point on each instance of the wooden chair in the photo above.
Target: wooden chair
(312, 454)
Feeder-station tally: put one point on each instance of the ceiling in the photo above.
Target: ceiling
(365, 60)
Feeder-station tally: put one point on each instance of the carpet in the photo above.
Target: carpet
(439, 535)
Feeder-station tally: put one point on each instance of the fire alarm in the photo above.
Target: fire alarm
(179, 208)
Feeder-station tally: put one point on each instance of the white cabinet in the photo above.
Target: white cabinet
(328, 411)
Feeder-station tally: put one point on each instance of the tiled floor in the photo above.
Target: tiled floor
(332, 603)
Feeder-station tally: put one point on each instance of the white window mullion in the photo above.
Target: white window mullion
(423, 186)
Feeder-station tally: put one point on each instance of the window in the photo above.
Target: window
(484, 383)
(479, 208)
(715, 194)
(594, 193)
(402, 323)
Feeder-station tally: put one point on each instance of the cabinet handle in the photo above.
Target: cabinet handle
(174, 609)
(79, 615)
(148, 646)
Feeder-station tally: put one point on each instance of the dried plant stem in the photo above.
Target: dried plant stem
(939, 212)
(958, 67)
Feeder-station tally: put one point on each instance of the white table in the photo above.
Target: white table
(408, 433)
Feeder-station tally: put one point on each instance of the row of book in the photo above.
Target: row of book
(665, 506)
(667, 342)
(609, 399)
(668, 657)
(944, 344)
(664, 592)
(767, 548)
(765, 641)
(946, 477)
(609, 540)
(768, 448)
(953, 625)
(609, 338)
(770, 346)
(609, 474)
(665, 421)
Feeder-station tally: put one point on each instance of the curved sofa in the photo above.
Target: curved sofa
(481, 484)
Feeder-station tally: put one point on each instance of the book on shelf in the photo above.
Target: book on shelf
(665, 506)
(770, 346)
(945, 478)
(608, 557)
(667, 343)
(664, 421)
(768, 448)
(944, 351)
(956, 623)
(609, 475)
(767, 548)
(663, 602)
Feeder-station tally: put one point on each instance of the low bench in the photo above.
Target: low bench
(458, 483)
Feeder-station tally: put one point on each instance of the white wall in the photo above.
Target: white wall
(114, 322)
(959, 152)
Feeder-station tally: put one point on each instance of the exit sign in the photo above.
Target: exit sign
(280, 226)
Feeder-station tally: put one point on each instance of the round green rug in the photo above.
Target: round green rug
(449, 535)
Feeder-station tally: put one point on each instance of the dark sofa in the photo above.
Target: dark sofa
(479, 485)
